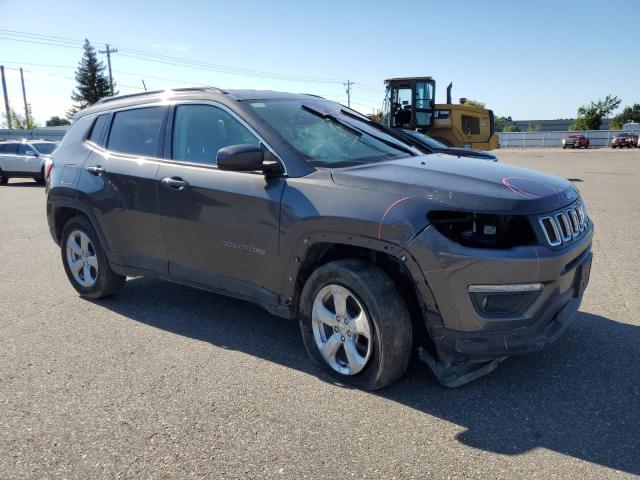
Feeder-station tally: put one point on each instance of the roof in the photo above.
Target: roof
(406, 79)
(191, 93)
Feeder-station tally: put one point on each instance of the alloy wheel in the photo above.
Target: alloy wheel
(82, 259)
(341, 329)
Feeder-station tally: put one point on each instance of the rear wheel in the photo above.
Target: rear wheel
(85, 262)
(355, 324)
(3, 179)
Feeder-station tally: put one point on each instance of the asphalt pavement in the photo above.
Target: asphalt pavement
(165, 381)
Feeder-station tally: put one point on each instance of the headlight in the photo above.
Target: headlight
(481, 230)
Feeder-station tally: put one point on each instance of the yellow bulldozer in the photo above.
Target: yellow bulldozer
(410, 105)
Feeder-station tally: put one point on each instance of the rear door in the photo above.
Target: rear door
(119, 181)
(9, 161)
(220, 228)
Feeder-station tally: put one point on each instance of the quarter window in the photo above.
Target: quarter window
(98, 126)
(199, 131)
(136, 132)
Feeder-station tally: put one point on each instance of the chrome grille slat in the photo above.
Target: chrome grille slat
(575, 226)
(565, 225)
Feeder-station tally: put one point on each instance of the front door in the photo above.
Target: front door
(220, 227)
(28, 159)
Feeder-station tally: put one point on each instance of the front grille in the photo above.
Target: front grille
(566, 225)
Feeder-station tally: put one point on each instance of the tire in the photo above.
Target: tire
(89, 281)
(386, 351)
(3, 179)
(40, 179)
(564, 147)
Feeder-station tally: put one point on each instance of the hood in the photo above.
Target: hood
(452, 183)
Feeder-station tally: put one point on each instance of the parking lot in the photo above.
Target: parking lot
(165, 381)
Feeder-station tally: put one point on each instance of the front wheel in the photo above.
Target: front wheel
(85, 261)
(355, 324)
(3, 178)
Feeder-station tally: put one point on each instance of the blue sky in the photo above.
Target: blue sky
(530, 60)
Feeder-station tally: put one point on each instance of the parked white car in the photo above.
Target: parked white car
(24, 159)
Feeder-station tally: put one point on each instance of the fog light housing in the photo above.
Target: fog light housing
(504, 300)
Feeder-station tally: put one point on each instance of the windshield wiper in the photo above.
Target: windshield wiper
(355, 129)
(334, 119)
(377, 126)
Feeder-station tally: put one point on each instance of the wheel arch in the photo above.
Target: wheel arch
(394, 260)
(65, 210)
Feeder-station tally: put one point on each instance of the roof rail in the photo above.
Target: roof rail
(156, 92)
(313, 95)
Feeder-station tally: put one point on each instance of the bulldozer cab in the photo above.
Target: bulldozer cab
(409, 103)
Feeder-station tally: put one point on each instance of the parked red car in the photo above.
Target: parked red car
(629, 140)
(575, 141)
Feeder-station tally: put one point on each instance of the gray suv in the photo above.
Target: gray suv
(24, 159)
(314, 212)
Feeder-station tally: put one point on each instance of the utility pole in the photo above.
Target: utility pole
(348, 85)
(144, 85)
(109, 51)
(6, 98)
(24, 98)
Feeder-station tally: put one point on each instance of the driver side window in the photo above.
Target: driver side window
(199, 131)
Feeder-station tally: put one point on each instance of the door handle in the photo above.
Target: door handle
(174, 182)
(95, 169)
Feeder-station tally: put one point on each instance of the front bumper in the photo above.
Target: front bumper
(463, 335)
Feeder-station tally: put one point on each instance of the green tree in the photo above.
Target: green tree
(92, 82)
(12, 119)
(590, 116)
(501, 122)
(629, 114)
(56, 121)
(475, 103)
(512, 127)
(534, 127)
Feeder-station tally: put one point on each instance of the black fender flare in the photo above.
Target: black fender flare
(304, 246)
(76, 204)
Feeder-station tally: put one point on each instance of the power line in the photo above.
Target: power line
(159, 58)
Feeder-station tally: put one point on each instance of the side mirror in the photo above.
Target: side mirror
(31, 153)
(241, 158)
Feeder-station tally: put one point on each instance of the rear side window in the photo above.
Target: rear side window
(9, 148)
(136, 132)
(96, 131)
(199, 131)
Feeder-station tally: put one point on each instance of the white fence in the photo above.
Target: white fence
(597, 138)
(55, 133)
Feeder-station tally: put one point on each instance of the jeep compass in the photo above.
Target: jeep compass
(311, 210)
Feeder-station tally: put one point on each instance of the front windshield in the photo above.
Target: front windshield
(320, 130)
(45, 148)
(421, 137)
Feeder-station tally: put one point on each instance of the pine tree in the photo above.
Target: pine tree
(93, 84)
